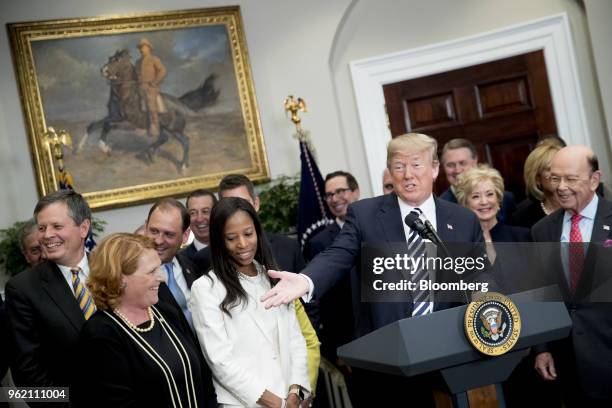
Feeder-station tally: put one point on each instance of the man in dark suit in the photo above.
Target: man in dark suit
(583, 361)
(41, 304)
(199, 204)
(412, 161)
(335, 308)
(459, 155)
(168, 225)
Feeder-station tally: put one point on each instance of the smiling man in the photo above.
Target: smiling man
(168, 225)
(199, 205)
(413, 163)
(41, 303)
(581, 362)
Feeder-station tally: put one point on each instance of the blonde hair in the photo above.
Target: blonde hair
(468, 180)
(538, 161)
(115, 256)
(412, 143)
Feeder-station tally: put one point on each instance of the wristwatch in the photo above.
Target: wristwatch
(298, 391)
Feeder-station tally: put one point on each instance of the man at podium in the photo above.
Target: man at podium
(413, 163)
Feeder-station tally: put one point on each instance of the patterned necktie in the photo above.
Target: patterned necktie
(178, 293)
(82, 295)
(417, 249)
(576, 253)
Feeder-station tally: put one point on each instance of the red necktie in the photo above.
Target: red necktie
(576, 253)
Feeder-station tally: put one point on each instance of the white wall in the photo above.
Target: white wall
(377, 28)
(599, 13)
(302, 48)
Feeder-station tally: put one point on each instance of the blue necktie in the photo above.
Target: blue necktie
(416, 248)
(178, 293)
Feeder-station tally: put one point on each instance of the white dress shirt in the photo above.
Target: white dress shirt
(198, 245)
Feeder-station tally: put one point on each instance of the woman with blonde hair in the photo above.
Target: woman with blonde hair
(481, 189)
(541, 199)
(136, 350)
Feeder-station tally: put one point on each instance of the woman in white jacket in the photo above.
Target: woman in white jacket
(257, 356)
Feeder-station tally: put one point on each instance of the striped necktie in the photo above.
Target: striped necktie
(82, 295)
(417, 249)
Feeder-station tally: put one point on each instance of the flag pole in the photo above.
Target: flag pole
(313, 214)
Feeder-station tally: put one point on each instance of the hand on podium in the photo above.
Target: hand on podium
(545, 366)
(289, 287)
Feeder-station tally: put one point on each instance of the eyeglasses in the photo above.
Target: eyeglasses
(339, 192)
(571, 181)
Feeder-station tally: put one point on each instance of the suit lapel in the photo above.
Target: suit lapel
(603, 216)
(390, 219)
(188, 273)
(445, 225)
(56, 287)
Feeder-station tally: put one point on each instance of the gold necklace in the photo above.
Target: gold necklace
(132, 325)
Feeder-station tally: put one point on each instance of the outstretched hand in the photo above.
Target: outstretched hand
(290, 286)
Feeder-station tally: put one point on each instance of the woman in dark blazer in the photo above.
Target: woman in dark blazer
(138, 352)
(481, 190)
(541, 199)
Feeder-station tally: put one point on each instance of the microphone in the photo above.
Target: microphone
(413, 221)
(425, 230)
(435, 238)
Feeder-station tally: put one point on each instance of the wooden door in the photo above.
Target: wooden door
(501, 106)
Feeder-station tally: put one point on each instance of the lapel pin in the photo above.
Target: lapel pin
(606, 227)
(450, 227)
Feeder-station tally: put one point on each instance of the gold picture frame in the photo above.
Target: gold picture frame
(75, 75)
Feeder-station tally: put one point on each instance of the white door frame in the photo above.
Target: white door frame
(550, 34)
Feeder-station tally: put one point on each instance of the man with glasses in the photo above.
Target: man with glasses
(336, 312)
(582, 361)
(413, 163)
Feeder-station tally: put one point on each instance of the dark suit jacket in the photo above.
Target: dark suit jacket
(335, 307)
(528, 213)
(512, 264)
(191, 271)
(45, 321)
(321, 241)
(508, 204)
(4, 341)
(123, 375)
(189, 252)
(589, 346)
(378, 220)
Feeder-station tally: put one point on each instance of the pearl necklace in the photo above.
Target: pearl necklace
(132, 325)
(544, 208)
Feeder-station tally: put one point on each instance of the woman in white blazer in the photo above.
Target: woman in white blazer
(257, 356)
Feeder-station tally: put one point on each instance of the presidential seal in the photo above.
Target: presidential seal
(492, 324)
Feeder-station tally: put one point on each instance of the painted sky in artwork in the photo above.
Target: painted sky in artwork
(68, 70)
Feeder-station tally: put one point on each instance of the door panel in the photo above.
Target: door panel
(502, 106)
